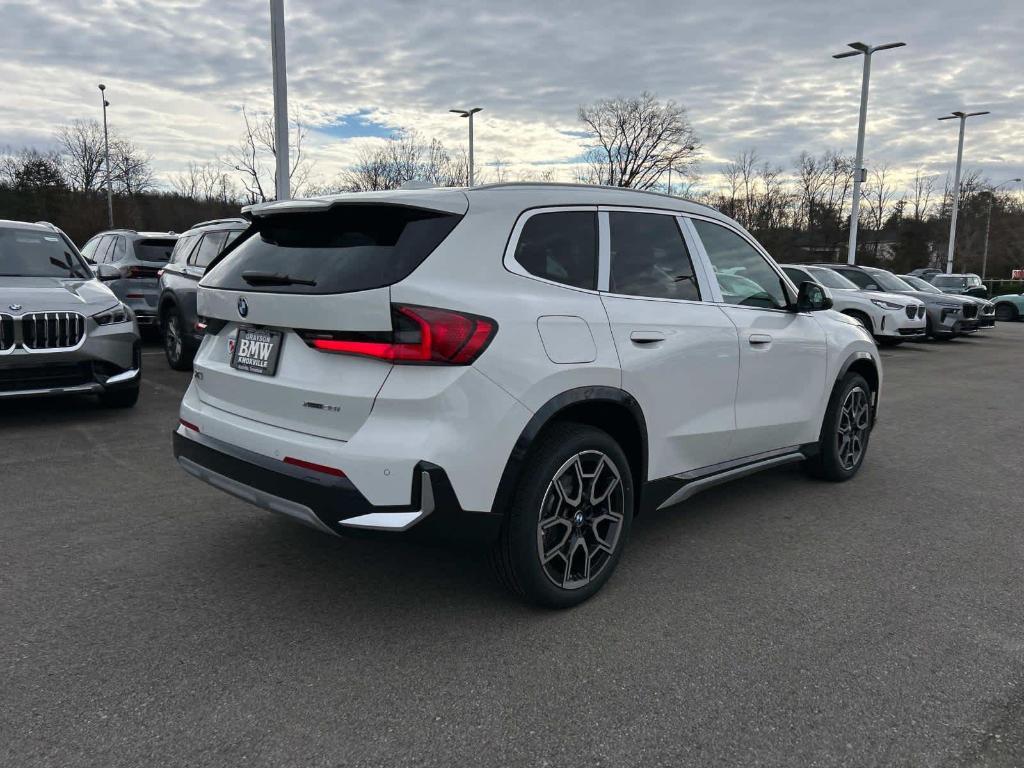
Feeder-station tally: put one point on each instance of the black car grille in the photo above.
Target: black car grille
(53, 376)
(52, 330)
(6, 331)
(911, 312)
(970, 311)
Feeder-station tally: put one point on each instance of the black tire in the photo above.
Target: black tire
(178, 351)
(833, 461)
(1005, 312)
(120, 398)
(517, 555)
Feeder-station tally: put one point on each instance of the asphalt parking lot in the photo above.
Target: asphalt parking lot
(147, 619)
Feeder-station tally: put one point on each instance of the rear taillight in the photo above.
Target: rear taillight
(140, 271)
(419, 336)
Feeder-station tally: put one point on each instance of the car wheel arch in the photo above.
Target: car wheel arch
(863, 364)
(608, 408)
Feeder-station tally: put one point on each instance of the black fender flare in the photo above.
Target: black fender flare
(549, 412)
(857, 357)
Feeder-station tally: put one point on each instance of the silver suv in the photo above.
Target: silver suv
(137, 258)
(62, 331)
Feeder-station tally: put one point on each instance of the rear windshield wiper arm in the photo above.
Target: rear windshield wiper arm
(274, 278)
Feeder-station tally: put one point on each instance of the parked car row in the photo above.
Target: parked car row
(898, 308)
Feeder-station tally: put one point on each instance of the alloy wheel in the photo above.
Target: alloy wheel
(581, 518)
(172, 338)
(852, 432)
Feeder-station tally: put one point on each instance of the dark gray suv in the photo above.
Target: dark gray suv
(138, 258)
(195, 249)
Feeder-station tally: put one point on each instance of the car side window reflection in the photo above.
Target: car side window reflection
(744, 276)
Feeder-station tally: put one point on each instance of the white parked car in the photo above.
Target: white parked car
(533, 365)
(889, 317)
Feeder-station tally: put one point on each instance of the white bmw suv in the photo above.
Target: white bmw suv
(529, 365)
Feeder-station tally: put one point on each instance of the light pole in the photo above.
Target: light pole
(860, 49)
(962, 117)
(282, 191)
(469, 113)
(106, 152)
(988, 222)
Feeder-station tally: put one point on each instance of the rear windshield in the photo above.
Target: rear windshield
(35, 253)
(154, 249)
(347, 248)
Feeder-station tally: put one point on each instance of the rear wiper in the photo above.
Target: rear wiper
(274, 278)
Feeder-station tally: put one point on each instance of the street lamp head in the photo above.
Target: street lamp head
(106, 103)
(887, 46)
(865, 49)
(102, 87)
(466, 112)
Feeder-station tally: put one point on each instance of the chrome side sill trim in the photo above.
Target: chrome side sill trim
(254, 496)
(75, 390)
(397, 521)
(703, 483)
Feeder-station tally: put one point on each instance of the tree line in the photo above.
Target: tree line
(800, 212)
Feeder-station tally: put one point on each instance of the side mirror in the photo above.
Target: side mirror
(107, 272)
(812, 298)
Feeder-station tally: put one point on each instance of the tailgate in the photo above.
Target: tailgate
(310, 391)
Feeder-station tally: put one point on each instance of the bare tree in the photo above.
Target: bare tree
(205, 181)
(131, 168)
(878, 193)
(254, 158)
(81, 145)
(638, 140)
(922, 189)
(405, 157)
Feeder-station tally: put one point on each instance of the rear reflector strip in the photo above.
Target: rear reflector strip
(188, 425)
(315, 467)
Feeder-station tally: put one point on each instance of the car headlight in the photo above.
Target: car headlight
(886, 304)
(118, 314)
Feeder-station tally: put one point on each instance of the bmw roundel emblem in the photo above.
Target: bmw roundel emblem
(243, 306)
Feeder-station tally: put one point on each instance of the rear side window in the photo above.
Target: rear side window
(104, 248)
(858, 278)
(208, 249)
(153, 249)
(344, 249)
(182, 248)
(120, 250)
(560, 246)
(649, 257)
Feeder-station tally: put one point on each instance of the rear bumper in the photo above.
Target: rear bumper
(332, 504)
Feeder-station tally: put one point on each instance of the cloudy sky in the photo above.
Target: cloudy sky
(753, 74)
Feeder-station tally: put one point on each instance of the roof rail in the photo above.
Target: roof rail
(229, 220)
(605, 187)
(49, 224)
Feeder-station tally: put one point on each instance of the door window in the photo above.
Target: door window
(649, 257)
(208, 249)
(743, 274)
(560, 246)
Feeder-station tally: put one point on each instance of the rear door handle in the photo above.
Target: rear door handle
(646, 337)
(759, 339)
